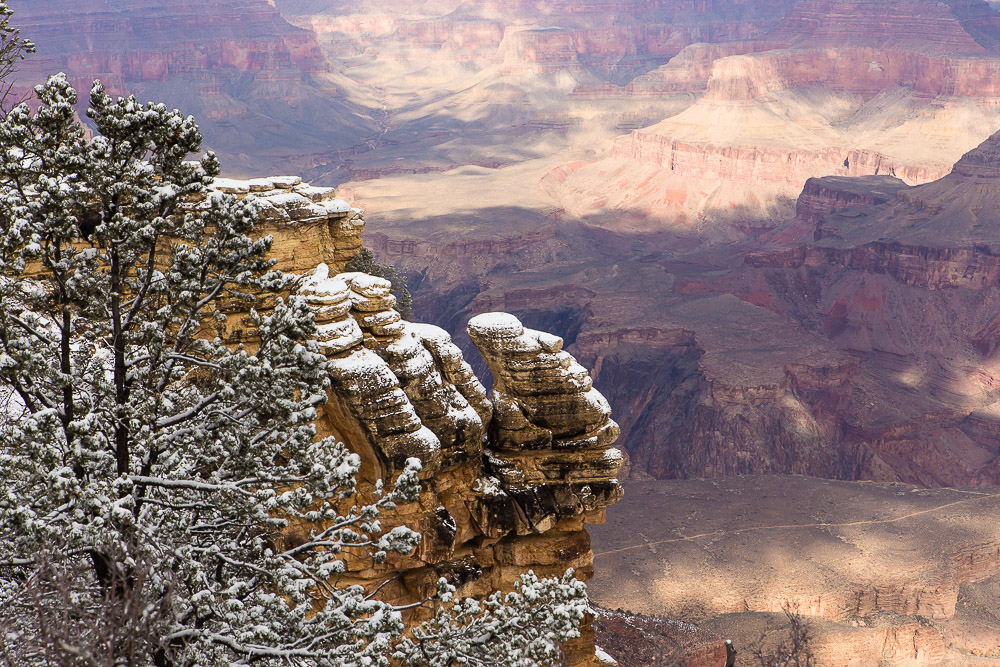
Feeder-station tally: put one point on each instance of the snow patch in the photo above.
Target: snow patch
(367, 285)
(336, 206)
(285, 182)
(499, 325)
(321, 284)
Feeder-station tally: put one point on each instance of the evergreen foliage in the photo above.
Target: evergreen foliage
(13, 50)
(149, 468)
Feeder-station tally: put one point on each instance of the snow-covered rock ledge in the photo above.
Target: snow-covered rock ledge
(509, 479)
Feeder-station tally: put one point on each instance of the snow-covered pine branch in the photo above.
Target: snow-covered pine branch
(139, 444)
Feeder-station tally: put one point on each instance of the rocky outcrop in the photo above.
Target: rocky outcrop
(509, 480)
(821, 196)
(547, 413)
(327, 229)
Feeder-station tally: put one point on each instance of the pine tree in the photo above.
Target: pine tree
(159, 464)
(13, 50)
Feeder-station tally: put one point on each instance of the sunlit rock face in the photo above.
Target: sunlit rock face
(493, 505)
(855, 341)
(904, 280)
(546, 414)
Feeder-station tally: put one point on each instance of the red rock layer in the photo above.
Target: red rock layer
(762, 165)
(152, 41)
(919, 266)
(861, 70)
(923, 24)
(821, 196)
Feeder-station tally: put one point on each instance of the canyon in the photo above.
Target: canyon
(855, 341)
(509, 478)
(768, 228)
(675, 114)
(884, 574)
(256, 84)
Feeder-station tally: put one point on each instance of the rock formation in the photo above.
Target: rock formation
(509, 480)
(857, 341)
(547, 412)
(822, 196)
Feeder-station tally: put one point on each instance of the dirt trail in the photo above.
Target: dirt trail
(823, 524)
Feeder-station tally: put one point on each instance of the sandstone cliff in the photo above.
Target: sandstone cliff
(510, 477)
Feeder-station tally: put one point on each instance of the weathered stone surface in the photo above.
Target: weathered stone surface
(551, 433)
(440, 405)
(311, 225)
(364, 382)
(509, 483)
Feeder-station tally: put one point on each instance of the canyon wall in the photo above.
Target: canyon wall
(510, 478)
(835, 88)
(882, 574)
(856, 341)
(956, 26)
(772, 116)
(257, 84)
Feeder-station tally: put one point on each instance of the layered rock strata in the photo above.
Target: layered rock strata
(509, 479)
(861, 345)
(836, 88)
(256, 83)
(546, 412)
(884, 574)
(822, 196)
